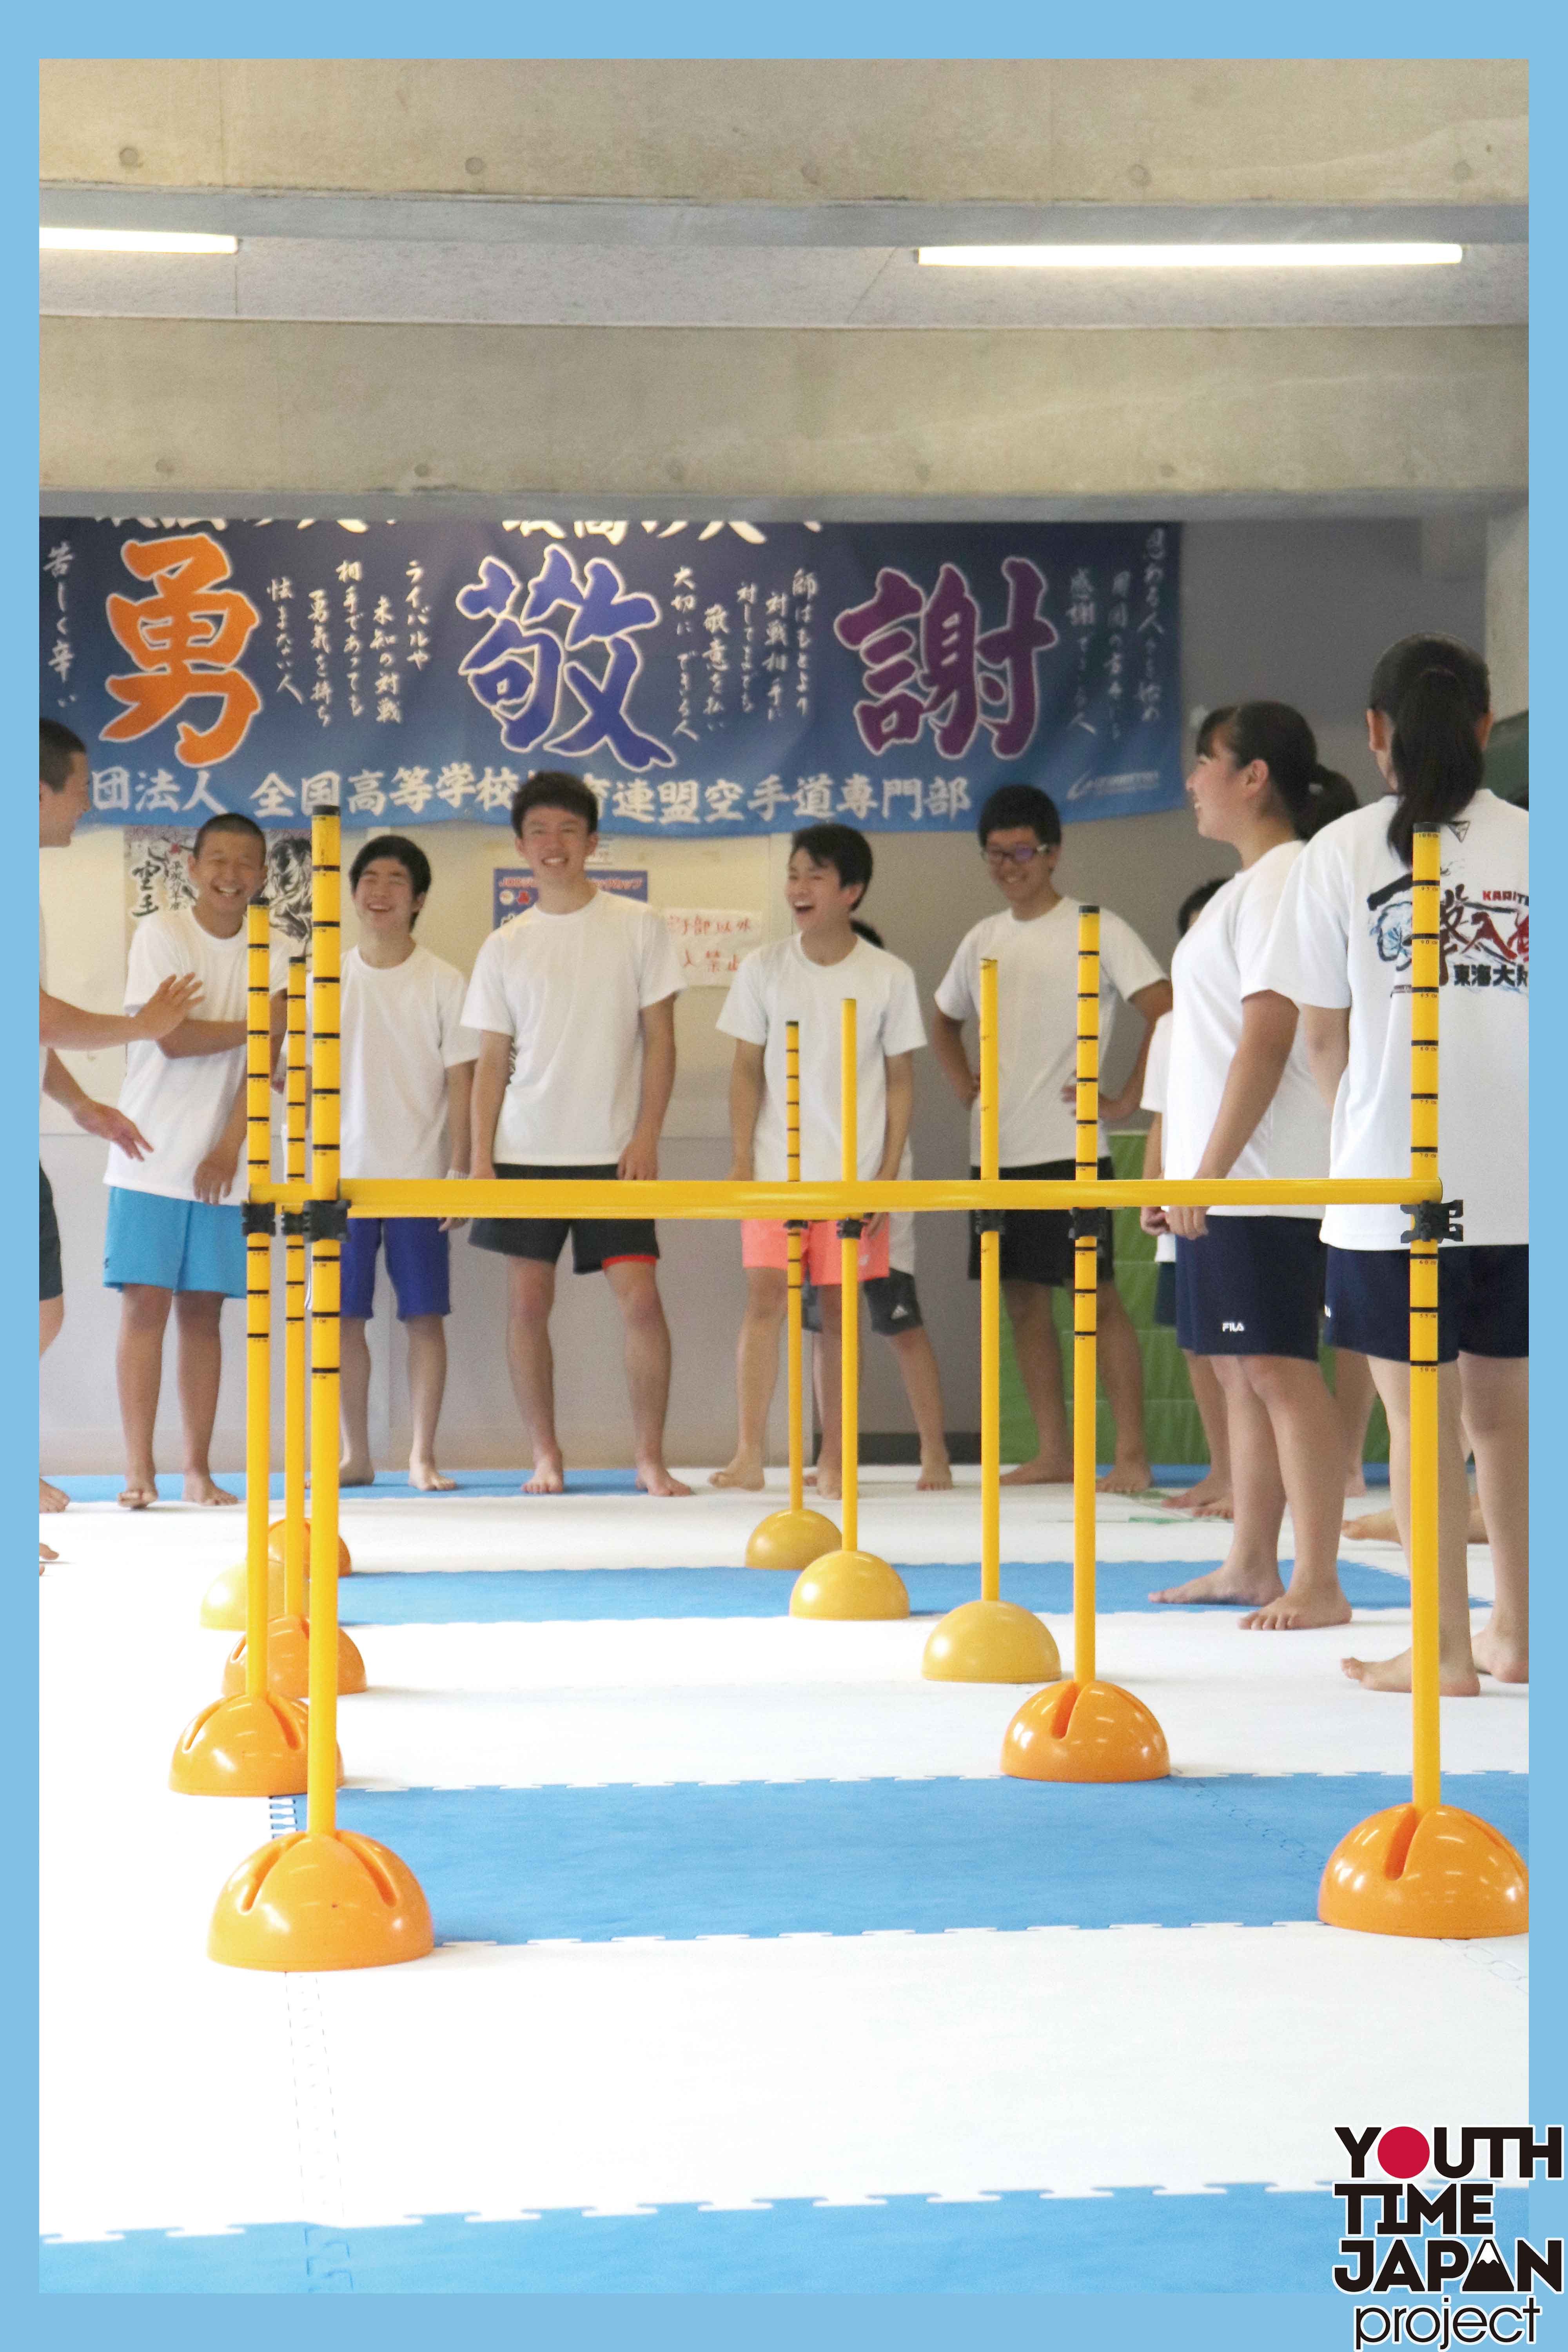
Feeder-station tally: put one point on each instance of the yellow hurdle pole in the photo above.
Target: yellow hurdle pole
(257, 1294)
(1086, 1302)
(990, 1304)
(296, 1377)
(794, 1350)
(1426, 1780)
(849, 1288)
(325, 1300)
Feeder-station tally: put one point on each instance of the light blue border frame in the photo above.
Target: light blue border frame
(810, 28)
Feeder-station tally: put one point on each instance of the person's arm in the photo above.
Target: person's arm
(93, 1117)
(640, 1157)
(216, 1171)
(1326, 1040)
(947, 1045)
(1152, 1003)
(1256, 1066)
(746, 1084)
(900, 1100)
(491, 1071)
(459, 1128)
(1152, 1218)
(71, 1028)
(193, 1039)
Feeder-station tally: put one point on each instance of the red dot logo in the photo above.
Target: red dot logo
(1403, 2152)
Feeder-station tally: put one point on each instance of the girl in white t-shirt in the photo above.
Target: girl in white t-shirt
(1249, 1281)
(1342, 950)
(1209, 1498)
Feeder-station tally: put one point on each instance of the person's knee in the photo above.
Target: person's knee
(1494, 1395)
(636, 1291)
(51, 1315)
(1273, 1378)
(531, 1290)
(198, 1311)
(144, 1307)
(1111, 1310)
(830, 1304)
(1029, 1304)
(767, 1295)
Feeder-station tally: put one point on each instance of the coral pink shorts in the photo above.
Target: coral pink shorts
(765, 1241)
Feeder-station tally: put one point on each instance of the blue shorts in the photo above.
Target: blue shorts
(173, 1245)
(417, 1260)
(1483, 1302)
(1251, 1287)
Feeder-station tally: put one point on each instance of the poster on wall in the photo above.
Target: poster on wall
(705, 679)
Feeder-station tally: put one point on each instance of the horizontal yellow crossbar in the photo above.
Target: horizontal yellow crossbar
(462, 1196)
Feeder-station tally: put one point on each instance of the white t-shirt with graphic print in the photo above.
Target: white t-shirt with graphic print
(1341, 937)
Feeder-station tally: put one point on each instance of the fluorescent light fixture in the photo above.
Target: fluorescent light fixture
(132, 240)
(1189, 257)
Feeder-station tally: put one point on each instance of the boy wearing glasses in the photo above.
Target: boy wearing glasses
(1035, 941)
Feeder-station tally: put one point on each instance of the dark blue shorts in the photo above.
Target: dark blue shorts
(1483, 1302)
(1251, 1287)
(1165, 1294)
(417, 1260)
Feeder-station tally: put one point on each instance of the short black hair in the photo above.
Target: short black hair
(1015, 804)
(409, 856)
(868, 932)
(838, 846)
(230, 820)
(554, 788)
(57, 747)
(1195, 902)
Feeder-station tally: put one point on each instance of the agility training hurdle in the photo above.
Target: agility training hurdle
(326, 1898)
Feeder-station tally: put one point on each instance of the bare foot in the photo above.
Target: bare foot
(655, 1479)
(548, 1477)
(1372, 1526)
(808, 1477)
(1043, 1470)
(51, 1498)
(139, 1489)
(1293, 1612)
(1505, 1660)
(1225, 1584)
(353, 1472)
(745, 1471)
(935, 1476)
(429, 1480)
(1219, 1508)
(200, 1488)
(1128, 1478)
(1394, 1675)
(829, 1484)
(1193, 1499)
(45, 1554)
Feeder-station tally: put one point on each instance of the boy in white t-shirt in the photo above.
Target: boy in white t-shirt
(408, 1072)
(573, 1004)
(807, 979)
(892, 1303)
(174, 1234)
(1035, 942)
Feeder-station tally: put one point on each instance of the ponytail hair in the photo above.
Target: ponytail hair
(1311, 794)
(1433, 691)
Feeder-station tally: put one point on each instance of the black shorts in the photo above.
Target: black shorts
(51, 1282)
(1483, 1302)
(891, 1298)
(1036, 1243)
(1251, 1287)
(596, 1241)
(1165, 1294)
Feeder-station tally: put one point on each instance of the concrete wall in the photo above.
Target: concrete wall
(1296, 610)
(1508, 609)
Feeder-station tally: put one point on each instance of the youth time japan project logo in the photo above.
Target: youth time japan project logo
(1441, 2242)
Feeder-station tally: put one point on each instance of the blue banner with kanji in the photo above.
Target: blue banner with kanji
(704, 677)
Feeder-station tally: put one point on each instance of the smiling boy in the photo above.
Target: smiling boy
(175, 1232)
(805, 979)
(1035, 941)
(574, 1005)
(407, 1070)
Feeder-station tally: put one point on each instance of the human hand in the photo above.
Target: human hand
(215, 1174)
(172, 1000)
(1187, 1224)
(967, 1088)
(103, 1118)
(454, 1224)
(873, 1226)
(638, 1163)
(1154, 1219)
(1110, 1108)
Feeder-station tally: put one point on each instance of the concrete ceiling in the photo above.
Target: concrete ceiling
(463, 282)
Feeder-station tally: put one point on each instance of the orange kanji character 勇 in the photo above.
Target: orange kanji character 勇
(186, 640)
